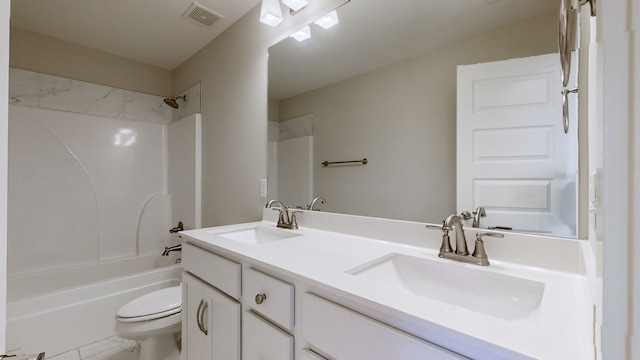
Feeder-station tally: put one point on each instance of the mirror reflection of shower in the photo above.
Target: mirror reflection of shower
(173, 102)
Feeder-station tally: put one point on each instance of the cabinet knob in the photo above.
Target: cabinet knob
(260, 298)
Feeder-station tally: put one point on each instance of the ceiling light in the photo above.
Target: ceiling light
(271, 13)
(302, 34)
(328, 20)
(295, 5)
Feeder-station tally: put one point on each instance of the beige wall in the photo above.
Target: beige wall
(31, 51)
(233, 72)
(402, 118)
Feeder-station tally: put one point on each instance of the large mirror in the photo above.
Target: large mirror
(381, 85)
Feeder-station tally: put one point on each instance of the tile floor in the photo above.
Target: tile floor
(113, 348)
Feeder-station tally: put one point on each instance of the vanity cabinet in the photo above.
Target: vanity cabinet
(212, 310)
(233, 310)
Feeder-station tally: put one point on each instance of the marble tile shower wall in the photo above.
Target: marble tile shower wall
(297, 127)
(28, 88)
(290, 129)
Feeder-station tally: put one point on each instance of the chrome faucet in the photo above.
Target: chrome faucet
(313, 203)
(284, 221)
(453, 222)
(479, 213)
(479, 256)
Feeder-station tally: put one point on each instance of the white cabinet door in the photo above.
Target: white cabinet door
(210, 323)
(513, 157)
(264, 341)
(194, 340)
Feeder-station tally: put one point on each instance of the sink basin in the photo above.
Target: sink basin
(257, 235)
(499, 295)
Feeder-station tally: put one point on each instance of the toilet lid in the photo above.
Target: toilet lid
(160, 303)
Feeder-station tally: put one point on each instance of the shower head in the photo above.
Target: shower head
(173, 101)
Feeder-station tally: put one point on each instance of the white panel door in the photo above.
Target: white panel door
(514, 158)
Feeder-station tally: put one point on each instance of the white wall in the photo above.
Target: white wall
(402, 118)
(617, 22)
(5, 12)
(295, 173)
(185, 171)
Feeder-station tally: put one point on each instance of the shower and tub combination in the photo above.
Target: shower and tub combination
(97, 176)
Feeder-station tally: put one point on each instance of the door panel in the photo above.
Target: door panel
(513, 156)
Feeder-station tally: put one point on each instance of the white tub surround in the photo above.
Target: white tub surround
(330, 248)
(87, 176)
(90, 191)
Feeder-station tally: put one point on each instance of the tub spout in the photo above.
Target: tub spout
(168, 249)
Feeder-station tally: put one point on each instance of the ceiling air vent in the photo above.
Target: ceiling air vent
(202, 16)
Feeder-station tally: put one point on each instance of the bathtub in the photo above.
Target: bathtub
(56, 321)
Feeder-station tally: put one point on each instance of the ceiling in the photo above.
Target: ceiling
(154, 31)
(149, 31)
(374, 33)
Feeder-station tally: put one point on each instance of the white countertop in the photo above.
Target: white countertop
(560, 328)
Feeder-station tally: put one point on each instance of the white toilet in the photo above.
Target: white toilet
(153, 319)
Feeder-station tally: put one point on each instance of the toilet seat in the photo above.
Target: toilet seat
(154, 305)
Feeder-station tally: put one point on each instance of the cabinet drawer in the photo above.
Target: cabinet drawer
(344, 334)
(222, 273)
(263, 341)
(269, 296)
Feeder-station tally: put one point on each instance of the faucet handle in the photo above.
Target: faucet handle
(436, 227)
(492, 234)
(178, 228)
(444, 227)
(446, 244)
(293, 220)
(479, 252)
